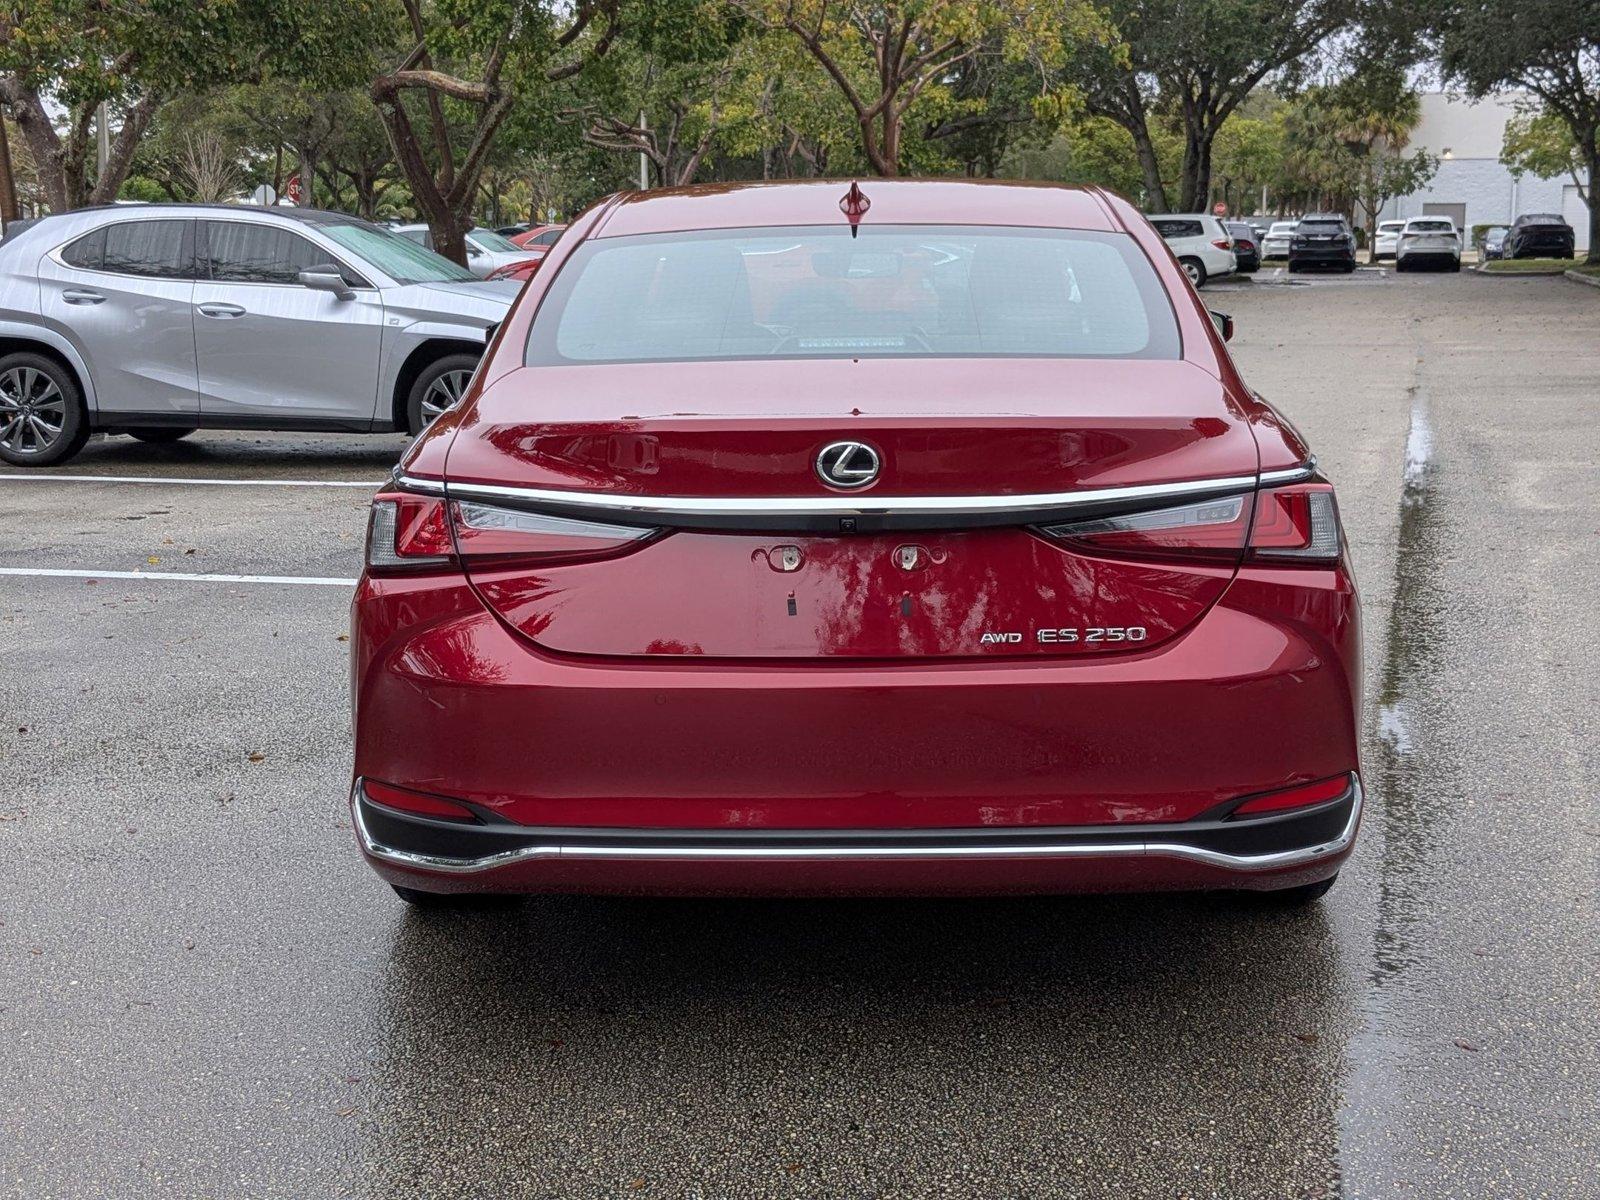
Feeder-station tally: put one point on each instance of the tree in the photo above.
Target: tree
(1198, 60)
(884, 57)
(1550, 48)
(1541, 143)
(496, 45)
(70, 57)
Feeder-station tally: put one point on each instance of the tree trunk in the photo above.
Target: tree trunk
(308, 178)
(1150, 165)
(1593, 197)
(8, 183)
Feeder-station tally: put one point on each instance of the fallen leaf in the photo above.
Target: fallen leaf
(345, 1112)
(154, 559)
(344, 637)
(1466, 1045)
(1309, 1039)
(190, 550)
(635, 1184)
(256, 756)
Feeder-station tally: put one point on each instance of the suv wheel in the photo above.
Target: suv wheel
(438, 389)
(1195, 270)
(42, 417)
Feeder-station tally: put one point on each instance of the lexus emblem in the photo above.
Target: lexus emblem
(848, 464)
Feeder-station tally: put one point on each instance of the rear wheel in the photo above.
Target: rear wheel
(457, 901)
(42, 416)
(438, 389)
(1195, 270)
(1456, 265)
(160, 433)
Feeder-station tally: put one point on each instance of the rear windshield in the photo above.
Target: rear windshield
(817, 292)
(1433, 226)
(1320, 227)
(1540, 219)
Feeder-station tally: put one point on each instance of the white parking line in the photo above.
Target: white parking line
(183, 576)
(372, 485)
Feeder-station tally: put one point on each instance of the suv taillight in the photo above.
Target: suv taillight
(1296, 524)
(1222, 243)
(409, 532)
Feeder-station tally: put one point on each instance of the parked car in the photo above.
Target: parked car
(1200, 243)
(1322, 240)
(1246, 246)
(728, 491)
(1494, 242)
(511, 231)
(521, 271)
(486, 249)
(538, 237)
(1428, 241)
(164, 319)
(1540, 235)
(1387, 240)
(1276, 243)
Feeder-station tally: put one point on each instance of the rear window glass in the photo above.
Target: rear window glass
(1433, 226)
(1320, 227)
(894, 291)
(1178, 229)
(1540, 219)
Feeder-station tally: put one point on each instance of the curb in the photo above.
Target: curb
(1591, 280)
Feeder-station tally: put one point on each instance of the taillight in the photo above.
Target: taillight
(410, 531)
(1294, 524)
(488, 531)
(1298, 523)
(1222, 243)
(407, 531)
(1206, 529)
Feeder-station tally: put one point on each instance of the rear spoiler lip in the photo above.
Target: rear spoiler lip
(846, 514)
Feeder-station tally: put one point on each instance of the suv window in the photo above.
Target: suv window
(87, 252)
(251, 252)
(154, 249)
(1178, 229)
(548, 237)
(151, 249)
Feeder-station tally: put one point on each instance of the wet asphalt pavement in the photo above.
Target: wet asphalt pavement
(204, 992)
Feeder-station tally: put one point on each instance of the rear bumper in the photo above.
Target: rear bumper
(1262, 853)
(1321, 256)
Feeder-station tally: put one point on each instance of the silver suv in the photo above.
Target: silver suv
(157, 320)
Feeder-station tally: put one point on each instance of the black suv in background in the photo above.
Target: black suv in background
(1322, 240)
(1246, 246)
(1539, 235)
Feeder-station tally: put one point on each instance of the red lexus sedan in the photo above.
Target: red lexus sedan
(807, 538)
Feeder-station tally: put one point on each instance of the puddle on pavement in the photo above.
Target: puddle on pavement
(1408, 797)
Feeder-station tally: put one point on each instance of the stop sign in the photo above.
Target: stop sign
(1219, 210)
(291, 189)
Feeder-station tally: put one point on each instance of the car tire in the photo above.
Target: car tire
(159, 434)
(438, 388)
(1293, 267)
(454, 901)
(1456, 265)
(1195, 270)
(29, 434)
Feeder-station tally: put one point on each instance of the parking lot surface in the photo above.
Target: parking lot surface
(204, 992)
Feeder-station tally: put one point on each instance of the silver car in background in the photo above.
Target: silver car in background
(157, 320)
(487, 251)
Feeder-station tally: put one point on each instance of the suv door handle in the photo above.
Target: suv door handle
(81, 296)
(220, 310)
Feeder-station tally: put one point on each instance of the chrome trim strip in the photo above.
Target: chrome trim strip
(843, 506)
(1289, 474)
(1134, 849)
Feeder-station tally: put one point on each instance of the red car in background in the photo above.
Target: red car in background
(800, 540)
(538, 240)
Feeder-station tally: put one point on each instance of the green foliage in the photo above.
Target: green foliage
(1541, 143)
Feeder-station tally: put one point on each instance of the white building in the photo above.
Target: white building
(1471, 185)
